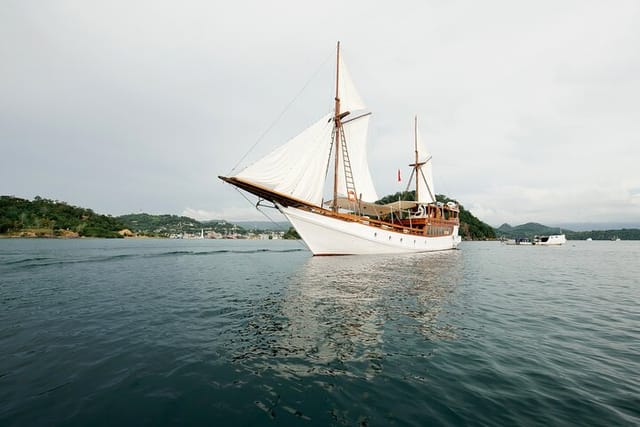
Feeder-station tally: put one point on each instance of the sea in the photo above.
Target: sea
(153, 332)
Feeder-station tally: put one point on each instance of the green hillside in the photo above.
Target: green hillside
(471, 228)
(622, 234)
(53, 218)
(529, 230)
(532, 229)
(165, 225)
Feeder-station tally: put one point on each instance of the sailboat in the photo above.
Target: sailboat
(293, 178)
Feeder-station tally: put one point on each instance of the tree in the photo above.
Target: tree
(471, 228)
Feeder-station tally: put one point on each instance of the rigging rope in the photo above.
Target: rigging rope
(282, 113)
(262, 212)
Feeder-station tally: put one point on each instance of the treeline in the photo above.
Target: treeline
(471, 228)
(532, 229)
(528, 230)
(623, 234)
(54, 218)
(51, 218)
(165, 225)
(291, 234)
(160, 225)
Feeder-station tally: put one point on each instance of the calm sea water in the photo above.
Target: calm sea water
(177, 332)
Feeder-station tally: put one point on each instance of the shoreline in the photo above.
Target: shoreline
(52, 236)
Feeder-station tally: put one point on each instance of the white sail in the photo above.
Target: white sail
(298, 167)
(355, 133)
(350, 99)
(426, 192)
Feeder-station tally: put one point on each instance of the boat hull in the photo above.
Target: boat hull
(518, 243)
(553, 240)
(326, 235)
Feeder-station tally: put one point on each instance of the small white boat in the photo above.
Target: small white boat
(520, 241)
(554, 239)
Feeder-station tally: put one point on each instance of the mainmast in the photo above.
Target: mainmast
(337, 125)
(340, 146)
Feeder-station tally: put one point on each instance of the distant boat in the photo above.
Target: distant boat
(589, 239)
(344, 219)
(554, 239)
(519, 241)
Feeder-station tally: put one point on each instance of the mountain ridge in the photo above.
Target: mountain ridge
(52, 218)
(531, 229)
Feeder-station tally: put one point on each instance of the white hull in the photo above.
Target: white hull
(557, 239)
(514, 242)
(326, 235)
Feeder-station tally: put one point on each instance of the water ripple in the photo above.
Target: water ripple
(238, 333)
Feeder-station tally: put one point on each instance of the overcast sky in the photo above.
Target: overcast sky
(531, 109)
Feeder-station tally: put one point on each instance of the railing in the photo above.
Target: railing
(434, 227)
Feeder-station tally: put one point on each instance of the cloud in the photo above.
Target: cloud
(517, 204)
(124, 107)
(235, 214)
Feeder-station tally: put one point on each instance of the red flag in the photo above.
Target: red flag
(399, 178)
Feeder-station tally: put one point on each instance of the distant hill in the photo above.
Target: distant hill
(264, 225)
(471, 228)
(165, 225)
(589, 226)
(531, 229)
(53, 218)
(623, 234)
(505, 228)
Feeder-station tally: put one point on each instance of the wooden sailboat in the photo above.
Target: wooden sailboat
(293, 178)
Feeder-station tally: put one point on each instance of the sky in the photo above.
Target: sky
(531, 110)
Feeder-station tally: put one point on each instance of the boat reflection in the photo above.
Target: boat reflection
(342, 315)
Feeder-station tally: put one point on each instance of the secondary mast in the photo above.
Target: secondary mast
(415, 142)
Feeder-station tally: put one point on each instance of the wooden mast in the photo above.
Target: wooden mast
(415, 142)
(337, 125)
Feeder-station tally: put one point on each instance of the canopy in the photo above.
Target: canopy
(374, 209)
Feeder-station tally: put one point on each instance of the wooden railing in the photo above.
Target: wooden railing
(431, 227)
